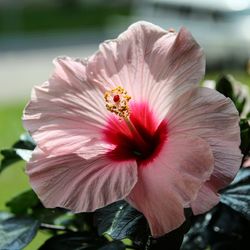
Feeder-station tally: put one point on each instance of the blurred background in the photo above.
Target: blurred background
(33, 32)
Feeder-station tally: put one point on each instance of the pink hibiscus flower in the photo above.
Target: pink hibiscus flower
(132, 123)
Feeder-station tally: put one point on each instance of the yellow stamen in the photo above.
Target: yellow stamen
(117, 101)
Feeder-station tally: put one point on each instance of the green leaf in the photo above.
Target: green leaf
(221, 228)
(119, 220)
(66, 219)
(21, 203)
(84, 222)
(114, 245)
(240, 104)
(9, 157)
(80, 241)
(46, 215)
(17, 232)
(173, 239)
(27, 203)
(25, 142)
(225, 87)
(4, 215)
(237, 194)
(245, 136)
(21, 150)
(233, 89)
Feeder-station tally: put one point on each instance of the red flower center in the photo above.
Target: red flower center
(143, 142)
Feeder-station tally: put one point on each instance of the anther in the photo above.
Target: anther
(117, 101)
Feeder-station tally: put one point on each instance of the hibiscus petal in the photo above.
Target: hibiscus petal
(208, 114)
(152, 64)
(206, 199)
(170, 182)
(66, 112)
(78, 184)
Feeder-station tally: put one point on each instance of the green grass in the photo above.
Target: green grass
(13, 180)
(242, 77)
(10, 125)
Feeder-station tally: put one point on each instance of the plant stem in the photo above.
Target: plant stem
(55, 227)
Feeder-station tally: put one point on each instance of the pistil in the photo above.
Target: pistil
(135, 132)
(117, 102)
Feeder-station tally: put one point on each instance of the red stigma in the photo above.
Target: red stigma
(116, 98)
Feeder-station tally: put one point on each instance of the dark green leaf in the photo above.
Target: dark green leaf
(221, 228)
(9, 157)
(66, 219)
(227, 225)
(47, 215)
(240, 104)
(224, 86)
(85, 222)
(25, 142)
(5, 215)
(173, 239)
(82, 222)
(103, 217)
(231, 88)
(237, 195)
(28, 203)
(80, 241)
(119, 220)
(114, 245)
(21, 150)
(17, 232)
(228, 229)
(195, 239)
(245, 136)
(21, 203)
(70, 241)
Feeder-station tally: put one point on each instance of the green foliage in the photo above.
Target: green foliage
(245, 136)
(10, 123)
(227, 225)
(80, 241)
(227, 85)
(17, 232)
(221, 228)
(237, 195)
(4, 216)
(119, 220)
(21, 150)
(232, 89)
(9, 157)
(22, 203)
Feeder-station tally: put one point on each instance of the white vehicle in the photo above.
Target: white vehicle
(222, 27)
